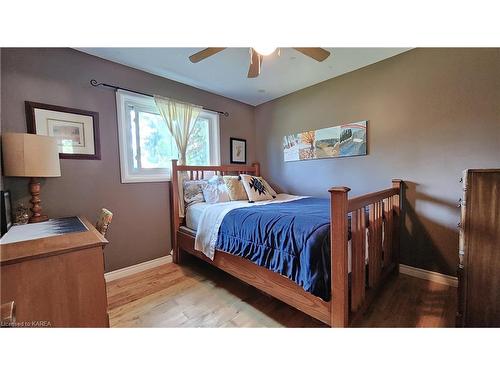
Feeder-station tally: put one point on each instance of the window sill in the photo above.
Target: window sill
(142, 179)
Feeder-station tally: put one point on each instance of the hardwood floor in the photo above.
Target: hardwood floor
(197, 295)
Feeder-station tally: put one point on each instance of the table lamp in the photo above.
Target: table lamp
(34, 156)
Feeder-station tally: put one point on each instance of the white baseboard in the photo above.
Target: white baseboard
(127, 271)
(428, 275)
(403, 268)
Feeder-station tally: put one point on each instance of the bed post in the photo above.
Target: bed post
(397, 204)
(256, 165)
(339, 302)
(175, 212)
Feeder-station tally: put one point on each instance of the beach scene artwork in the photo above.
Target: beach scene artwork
(334, 142)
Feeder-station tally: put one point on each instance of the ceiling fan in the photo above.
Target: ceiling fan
(257, 55)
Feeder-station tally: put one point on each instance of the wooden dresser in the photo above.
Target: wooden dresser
(479, 268)
(56, 281)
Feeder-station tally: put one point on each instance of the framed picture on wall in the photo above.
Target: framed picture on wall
(76, 130)
(238, 151)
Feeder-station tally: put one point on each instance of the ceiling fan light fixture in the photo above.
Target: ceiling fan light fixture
(264, 51)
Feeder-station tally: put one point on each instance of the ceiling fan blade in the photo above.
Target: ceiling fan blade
(255, 64)
(318, 54)
(203, 54)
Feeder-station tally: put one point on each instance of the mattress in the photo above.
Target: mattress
(193, 214)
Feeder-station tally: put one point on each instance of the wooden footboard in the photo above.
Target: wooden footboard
(348, 299)
(383, 209)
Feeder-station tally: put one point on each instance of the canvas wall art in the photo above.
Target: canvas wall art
(336, 141)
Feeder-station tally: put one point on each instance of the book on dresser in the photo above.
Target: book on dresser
(479, 250)
(52, 275)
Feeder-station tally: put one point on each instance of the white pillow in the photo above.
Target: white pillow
(257, 188)
(216, 180)
(215, 193)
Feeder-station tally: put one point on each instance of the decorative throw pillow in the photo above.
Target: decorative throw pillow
(193, 191)
(215, 193)
(266, 184)
(216, 180)
(235, 188)
(256, 188)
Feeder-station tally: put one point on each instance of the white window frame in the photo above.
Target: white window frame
(147, 104)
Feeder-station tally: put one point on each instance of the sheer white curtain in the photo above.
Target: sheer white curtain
(180, 118)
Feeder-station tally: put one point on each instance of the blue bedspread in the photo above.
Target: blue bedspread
(290, 238)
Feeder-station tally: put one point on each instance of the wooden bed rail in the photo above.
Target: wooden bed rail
(348, 302)
(365, 200)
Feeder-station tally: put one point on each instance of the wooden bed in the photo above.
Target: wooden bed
(350, 294)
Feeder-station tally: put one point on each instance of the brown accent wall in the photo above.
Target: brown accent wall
(431, 113)
(141, 226)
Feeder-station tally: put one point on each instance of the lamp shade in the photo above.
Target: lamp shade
(30, 155)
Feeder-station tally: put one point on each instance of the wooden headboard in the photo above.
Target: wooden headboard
(198, 172)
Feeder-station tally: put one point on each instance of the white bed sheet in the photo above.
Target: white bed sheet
(193, 214)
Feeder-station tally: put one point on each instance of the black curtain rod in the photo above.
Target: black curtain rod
(94, 83)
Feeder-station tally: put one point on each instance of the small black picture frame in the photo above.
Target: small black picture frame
(6, 211)
(238, 150)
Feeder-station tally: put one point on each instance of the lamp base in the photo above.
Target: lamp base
(35, 200)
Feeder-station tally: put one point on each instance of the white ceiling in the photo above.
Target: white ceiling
(226, 72)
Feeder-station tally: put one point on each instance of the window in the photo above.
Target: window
(147, 147)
